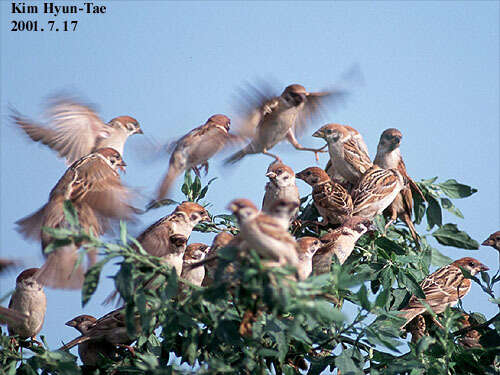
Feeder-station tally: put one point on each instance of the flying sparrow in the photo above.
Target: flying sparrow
(6, 264)
(333, 202)
(307, 247)
(493, 240)
(91, 351)
(75, 130)
(195, 148)
(340, 242)
(443, 288)
(347, 152)
(272, 119)
(220, 241)
(376, 190)
(194, 253)
(281, 186)
(264, 234)
(110, 329)
(27, 306)
(389, 156)
(93, 186)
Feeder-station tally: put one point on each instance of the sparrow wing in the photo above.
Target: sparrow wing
(373, 187)
(333, 196)
(156, 239)
(355, 156)
(73, 131)
(11, 317)
(413, 186)
(269, 227)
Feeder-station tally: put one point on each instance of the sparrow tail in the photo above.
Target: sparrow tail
(113, 297)
(59, 271)
(31, 226)
(237, 156)
(411, 227)
(410, 314)
(11, 317)
(167, 182)
(74, 342)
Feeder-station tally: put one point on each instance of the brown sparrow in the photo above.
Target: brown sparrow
(307, 247)
(333, 202)
(27, 306)
(264, 234)
(91, 351)
(493, 240)
(443, 288)
(93, 186)
(75, 130)
(220, 241)
(194, 253)
(358, 138)
(272, 119)
(111, 329)
(389, 156)
(347, 152)
(282, 210)
(281, 186)
(195, 148)
(340, 242)
(376, 190)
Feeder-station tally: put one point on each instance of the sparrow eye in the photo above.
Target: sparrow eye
(471, 264)
(308, 173)
(329, 131)
(194, 217)
(285, 178)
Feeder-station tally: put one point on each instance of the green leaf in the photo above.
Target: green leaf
(363, 298)
(409, 282)
(424, 343)
(439, 259)
(196, 187)
(453, 189)
(433, 213)
(449, 206)
(92, 280)
(205, 189)
(70, 213)
(450, 235)
(123, 281)
(346, 365)
(123, 232)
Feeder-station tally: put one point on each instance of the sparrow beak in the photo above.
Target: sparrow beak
(139, 131)
(318, 134)
(488, 242)
(122, 166)
(271, 175)
(206, 217)
(483, 268)
(71, 323)
(232, 207)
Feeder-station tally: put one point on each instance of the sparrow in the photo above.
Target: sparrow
(220, 241)
(443, 288)
(389, 156)
(195, 148)
(358, 138)
(76, 130)
(333, 202)
(92, 184)
(471, 338)
(283, 210)
(347, 152)
(281, 186)
(110, 329)
(340, 242)
(91, 351)
(264, 234)
(167, 238)
(418, 328)
(376, 190)
(26, 312)
(493, 240)
(194, 253)
(307, 247)
(272, 119)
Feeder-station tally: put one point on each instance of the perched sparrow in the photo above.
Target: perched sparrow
(389, 156)
(109, 329)
(76, 130)
(272, 119)
(443, 288)
(91, 351)
(220, 241)
(333, 202)
(471, 338)
(281, 186)
(282, 210)
(376, 190)
(194, 253)
(167, 238)
(340, 242)
(347, 152)
(264, 234)
(307, 247)
(195, 148)
(358, 138)
(6, 264)
(493, 240)
(93, 186)
(27, 306)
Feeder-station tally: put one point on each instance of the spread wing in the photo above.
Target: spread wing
(73, 129)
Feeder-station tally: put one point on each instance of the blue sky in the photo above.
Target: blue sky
(431, 69)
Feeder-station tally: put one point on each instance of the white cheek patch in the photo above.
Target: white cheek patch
(104, 134)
